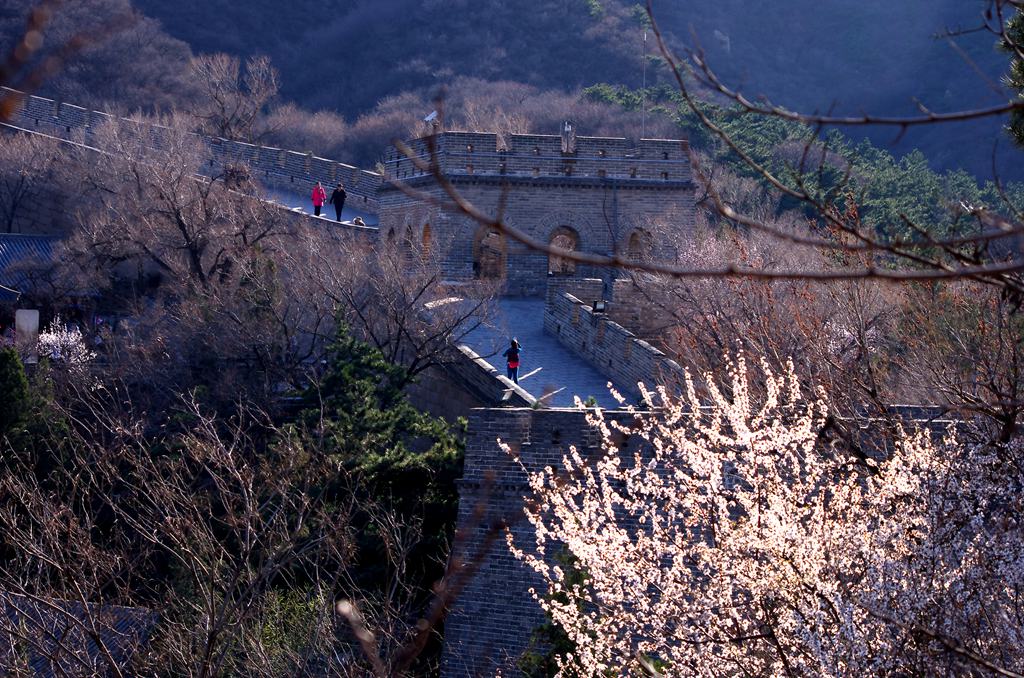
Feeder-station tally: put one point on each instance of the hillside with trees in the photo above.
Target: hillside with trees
(870, 56)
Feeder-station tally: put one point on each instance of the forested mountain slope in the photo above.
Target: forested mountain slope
(349, 56)
(872, 55)
(125, 61)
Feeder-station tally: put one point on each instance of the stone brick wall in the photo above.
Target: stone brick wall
(442, 395)
(491, 622)
(538, 155)
(588, 290)
(276, 167)
(43, 210)
(633, 310)
(617, 353)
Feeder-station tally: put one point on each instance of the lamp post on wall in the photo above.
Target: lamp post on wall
(643, 92)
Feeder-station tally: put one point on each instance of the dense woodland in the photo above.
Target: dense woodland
(236, 450)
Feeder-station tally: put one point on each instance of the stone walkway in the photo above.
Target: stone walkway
(561, 371)
(294, 200)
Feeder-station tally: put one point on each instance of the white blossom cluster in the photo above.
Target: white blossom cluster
(64, 344)
(735, 542)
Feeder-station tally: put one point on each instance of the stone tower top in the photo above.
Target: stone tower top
(529, 157)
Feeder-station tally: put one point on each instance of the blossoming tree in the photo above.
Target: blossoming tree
(65, 344)
(740, 541)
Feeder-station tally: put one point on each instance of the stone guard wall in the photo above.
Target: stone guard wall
(617, 353)
(279, 168)
(47, 215)
(482, 378)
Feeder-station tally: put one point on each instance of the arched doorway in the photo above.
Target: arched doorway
(488, 253)
(563, 238)
(408, 244)
(640, 246)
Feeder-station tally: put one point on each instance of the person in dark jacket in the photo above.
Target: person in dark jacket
(338, 199)
(512, 360)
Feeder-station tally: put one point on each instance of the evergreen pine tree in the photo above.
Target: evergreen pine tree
(14, 394)
(1015, 78)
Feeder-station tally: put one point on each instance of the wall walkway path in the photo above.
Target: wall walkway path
(562, 373)
(303, 203)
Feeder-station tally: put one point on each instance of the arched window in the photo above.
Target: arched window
(391, 237)
(640, 246)
(425, 242)
(408, 244)
(488, 254)
(564, 238)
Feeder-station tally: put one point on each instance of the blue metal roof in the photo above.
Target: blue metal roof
(20, 252)
(57, 640)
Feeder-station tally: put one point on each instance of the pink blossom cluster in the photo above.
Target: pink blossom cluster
(736, 540)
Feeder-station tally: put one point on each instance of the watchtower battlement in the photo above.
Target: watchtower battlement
(525, 157)
(599, 195)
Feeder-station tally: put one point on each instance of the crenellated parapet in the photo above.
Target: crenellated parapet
(520, 158)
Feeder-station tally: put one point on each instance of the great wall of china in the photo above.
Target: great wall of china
(597, 195)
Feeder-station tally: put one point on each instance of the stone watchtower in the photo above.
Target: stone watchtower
(600, 195)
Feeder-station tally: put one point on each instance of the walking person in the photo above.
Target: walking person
(319, 198)
(338, 199)
(512, 360)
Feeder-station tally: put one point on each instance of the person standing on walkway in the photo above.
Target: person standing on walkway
(319, 198)
(512, 360)
(338, 199)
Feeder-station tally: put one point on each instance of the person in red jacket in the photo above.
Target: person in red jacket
(319, 198)
(512, 356)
